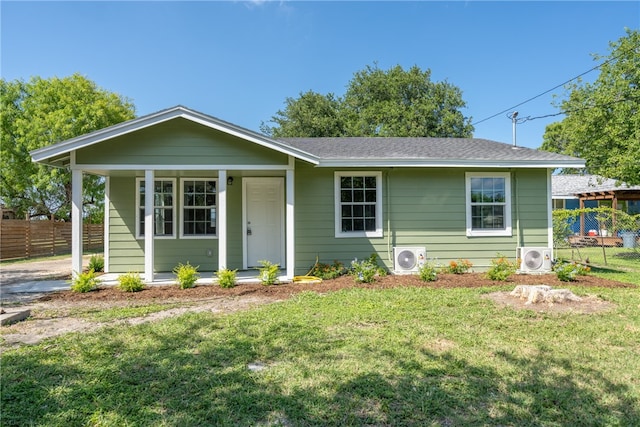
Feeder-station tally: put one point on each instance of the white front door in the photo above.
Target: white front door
(263, 221)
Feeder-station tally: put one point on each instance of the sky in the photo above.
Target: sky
(240, 60)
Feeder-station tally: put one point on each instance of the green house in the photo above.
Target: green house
(185, 186)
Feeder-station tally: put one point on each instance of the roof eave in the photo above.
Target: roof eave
(454, 163)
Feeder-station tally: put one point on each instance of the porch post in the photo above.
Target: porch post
(105, 223)
(76, 222)
(290, 224)
(148, 224)
(222, 219)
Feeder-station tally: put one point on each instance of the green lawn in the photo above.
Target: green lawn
(406, 356)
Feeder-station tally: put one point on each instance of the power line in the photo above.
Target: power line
(552, 89)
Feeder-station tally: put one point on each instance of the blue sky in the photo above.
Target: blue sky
(239, 61)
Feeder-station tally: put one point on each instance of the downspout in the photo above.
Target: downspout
(389, 249)
(515, 190)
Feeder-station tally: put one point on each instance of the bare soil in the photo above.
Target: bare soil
(53, 314)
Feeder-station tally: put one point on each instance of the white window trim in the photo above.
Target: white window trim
(182, 206)
(507, 231)
(139, 236)
(338, 211)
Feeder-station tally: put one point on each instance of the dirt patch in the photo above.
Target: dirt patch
(53, 314)
(587, 305)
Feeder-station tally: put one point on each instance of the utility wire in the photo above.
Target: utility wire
(552, 89)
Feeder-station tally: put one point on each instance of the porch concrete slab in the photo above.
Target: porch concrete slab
(37, 286)
(14, 315)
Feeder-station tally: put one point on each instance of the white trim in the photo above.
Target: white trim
(181, 205)
(106, 223)
(507, 231)
(148, 223)
(337, 204)
(290, 221)
(457, 163)
(207, 167)
(221, 218)
(76, 222)
(550, 212)
(138, 235)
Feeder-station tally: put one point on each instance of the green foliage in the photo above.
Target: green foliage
(328, 271)
(268, 272)
(227, 278)
(602, 118)
(186, 275)
(130, 282)
(460, 266)
(394, 102)
(365, 271)
(501, 268)
(563, 219)
(84, 282)
(41, 112)
(96, 263)
(428, 272)
(567, 271)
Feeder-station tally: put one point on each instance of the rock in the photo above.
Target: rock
(542, 293)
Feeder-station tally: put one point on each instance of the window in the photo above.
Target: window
(163, 207)
(488, 197)
(358, 204)
(198, 207)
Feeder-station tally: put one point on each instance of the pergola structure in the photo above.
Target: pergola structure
(614, 194)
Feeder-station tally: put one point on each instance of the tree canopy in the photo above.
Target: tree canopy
(41, 112)
(395, 102)
(602, 122)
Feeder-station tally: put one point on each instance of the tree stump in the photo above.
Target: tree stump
(542, 293)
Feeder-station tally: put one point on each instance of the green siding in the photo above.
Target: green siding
(126, 253)
(422, 207)
(178, 142)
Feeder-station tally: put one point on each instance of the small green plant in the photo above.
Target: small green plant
(428, 272)
(501, 268)
(96, 263)
(226, 278)
(84, 282)
(327, 271)
(365, 271)
(130, 282)
(567, 271)
(186, 275)
(268, 272)
(460, 266)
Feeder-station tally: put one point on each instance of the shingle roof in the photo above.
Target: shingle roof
(427, 150)
(570, 185)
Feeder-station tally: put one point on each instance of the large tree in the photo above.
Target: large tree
(41, 112)
(395, 102)
(602, 122)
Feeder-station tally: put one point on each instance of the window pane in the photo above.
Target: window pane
(370, 224)
(358, 211)
(358, 224)
(370, 211)
(347, 225)
(370, 181)
(346, 196)
(358, 182)
(347, 211)
(358, 196)
(345, 182)
(370, 196)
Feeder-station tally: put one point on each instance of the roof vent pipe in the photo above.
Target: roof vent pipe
(513, 124)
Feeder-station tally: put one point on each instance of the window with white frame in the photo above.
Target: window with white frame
(488, 197)
(198, 207)
(358, 198)
(164, 212)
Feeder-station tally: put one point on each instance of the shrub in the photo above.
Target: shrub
(328, 271)
(567, 272)
(186, 275)
(96, 263)
(428, 272)
(130, 282)
(84, 282)
(460, 266)
(501, 268)
(226, 278)
(268, 272)
(365, 271)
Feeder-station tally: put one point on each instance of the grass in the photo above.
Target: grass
(355, 357)
(623, 264)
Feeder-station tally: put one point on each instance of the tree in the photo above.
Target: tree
(41, 112)
(377, 103)
(602, 123)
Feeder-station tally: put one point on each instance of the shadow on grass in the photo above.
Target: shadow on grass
(193, 371)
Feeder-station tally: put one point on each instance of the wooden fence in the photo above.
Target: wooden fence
(28, 239)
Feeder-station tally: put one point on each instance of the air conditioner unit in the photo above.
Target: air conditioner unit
(534, 260)
(407, 260)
